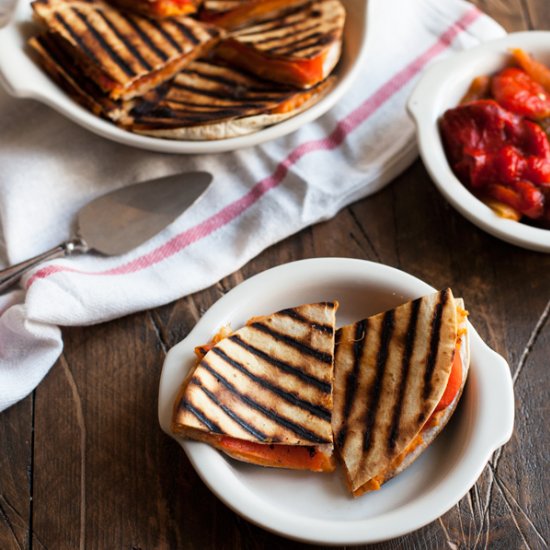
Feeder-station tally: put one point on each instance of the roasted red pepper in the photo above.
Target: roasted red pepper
(516, 91)
(500, 155)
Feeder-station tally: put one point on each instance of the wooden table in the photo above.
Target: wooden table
(85, 464)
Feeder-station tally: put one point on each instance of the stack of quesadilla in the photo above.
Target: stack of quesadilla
(264, 394)
(299, 44)
(125, 55)
(145, 74)
(159, 9)
(206, 100)
(398, 378)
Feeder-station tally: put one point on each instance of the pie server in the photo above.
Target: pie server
(121, 220)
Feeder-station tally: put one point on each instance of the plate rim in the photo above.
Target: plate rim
(41, 88)
(362, 531)
(422, 107)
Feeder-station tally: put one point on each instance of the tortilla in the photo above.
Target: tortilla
(124, 54)
(269, 382)
(298, 45)
(391, 371)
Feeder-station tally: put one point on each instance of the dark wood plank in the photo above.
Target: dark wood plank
(16, 475)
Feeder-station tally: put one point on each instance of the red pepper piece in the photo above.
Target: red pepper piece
(515, 90)
(522, 195)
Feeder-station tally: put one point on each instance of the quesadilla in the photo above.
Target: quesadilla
(398, 378)
(205, 101)
(263, 394)
(298, 45)
(124, 54)
(159, 8)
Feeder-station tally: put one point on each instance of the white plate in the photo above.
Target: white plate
(441, 87)
(315, 507)
(22, 77)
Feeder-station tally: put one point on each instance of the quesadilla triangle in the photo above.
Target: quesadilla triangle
(398, 378)
(298, 45)
(125, 54)
(208, 101)
(159, 8)
(263, 394)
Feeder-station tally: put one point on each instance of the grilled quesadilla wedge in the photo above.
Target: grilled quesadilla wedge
(264, 394)
(209, 100)
(124, 54)
(298, 45)
(398, 377)
(231, 14)
(159, 8)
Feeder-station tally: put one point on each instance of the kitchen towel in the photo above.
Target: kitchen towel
(49, 168)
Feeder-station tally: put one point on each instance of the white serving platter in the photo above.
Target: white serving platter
(22, 77)
(316, 507)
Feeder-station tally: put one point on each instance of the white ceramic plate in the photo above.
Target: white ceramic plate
(441, 87)
(315, 507)
(22, 77)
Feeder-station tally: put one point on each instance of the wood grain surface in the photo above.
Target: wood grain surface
(84, 463)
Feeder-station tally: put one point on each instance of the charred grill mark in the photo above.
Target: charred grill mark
(359, 340)
(147, 39)
(405, 367)
(296, 344)
(272, 415)
(381, 359)
(129, 46)
(104, 44)
(316, 47)
(187, 32)
(166, 35)
(285, 367)
(279, 17)
(212, 32)
(76, 37)
(299, 42)
(316, 410)
(243, 423)
(210, 424)
(241, 99)
(225, 80)
(292, 31)
(292, 313)
(216, 94)
(434, 342)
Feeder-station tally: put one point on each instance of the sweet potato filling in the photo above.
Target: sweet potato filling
(167, 8)
(295, 457)
(253, 9)
(376, 482)
(302, 73)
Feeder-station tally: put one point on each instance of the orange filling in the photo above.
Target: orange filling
(376, 482)
(303, 73)
(293, 103)
(243, 14)
(201, 351)
(281, 456)
(454, 382)
(167, 8)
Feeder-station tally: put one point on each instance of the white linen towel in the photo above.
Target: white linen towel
(49, 168)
